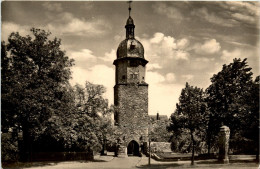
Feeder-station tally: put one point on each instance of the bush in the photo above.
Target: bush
(9, 147)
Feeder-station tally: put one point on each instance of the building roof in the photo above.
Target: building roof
(158, 117)
(130, 21)
(130, 48)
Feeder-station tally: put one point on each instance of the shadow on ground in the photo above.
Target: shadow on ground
(98, 160)
(230, 162)
(158, 166)
(213, 164)
(27, 164)
(19, 165)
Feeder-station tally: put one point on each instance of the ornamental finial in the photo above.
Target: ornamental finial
(129, 8)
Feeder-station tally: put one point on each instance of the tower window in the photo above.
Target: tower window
(123, 77)
(132, 46)
(143, 78)
(133, 76)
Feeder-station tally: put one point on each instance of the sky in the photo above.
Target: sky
(183, 41)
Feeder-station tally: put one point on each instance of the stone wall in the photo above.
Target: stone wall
(125, 68)
(132, 112)
(121, 73)
(160, 147)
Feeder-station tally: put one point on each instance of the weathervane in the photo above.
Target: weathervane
(129, 2)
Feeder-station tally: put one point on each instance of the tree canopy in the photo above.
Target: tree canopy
(229, 93)
(191, 114)
(38, 99)
(233, 101)
(35, 75)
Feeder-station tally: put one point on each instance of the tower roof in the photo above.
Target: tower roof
(130, 21)
(130, 47)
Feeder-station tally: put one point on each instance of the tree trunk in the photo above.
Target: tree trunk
(25, 147)
(209, 147)
(257, 155)
(193, 149)
(209, 143)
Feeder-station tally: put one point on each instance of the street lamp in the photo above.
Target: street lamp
(149, 159)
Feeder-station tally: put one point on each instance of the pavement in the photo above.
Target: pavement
(109, 162)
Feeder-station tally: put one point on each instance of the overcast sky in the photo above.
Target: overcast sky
(183, 41)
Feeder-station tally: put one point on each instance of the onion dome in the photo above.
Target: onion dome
(130, 47)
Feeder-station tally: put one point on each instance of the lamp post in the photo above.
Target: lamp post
(149, 159)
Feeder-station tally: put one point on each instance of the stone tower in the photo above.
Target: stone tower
(131, 93)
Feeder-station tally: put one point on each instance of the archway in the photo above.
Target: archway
(133, 148)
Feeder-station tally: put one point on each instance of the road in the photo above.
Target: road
(99, 163)
(110, 162)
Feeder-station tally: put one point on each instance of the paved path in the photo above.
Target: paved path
(99, 163)
(110, 162)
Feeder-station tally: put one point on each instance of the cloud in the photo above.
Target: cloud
(229, 13)
(83, 55)
(157, 38)
(109, 56)
(210, 46)
(204, 14)
(228, 56)
(65, 23)
(9, 27)
(162, 96)
(159, 48)
(170, 77)
(250, 8)
(98, 74)
(83, 58)
(245, 18)
(154, 77)
(252, 55)
(87, 5)
(181, 54)
(153, 66)
(52, 6)
(182, 43)
(169, 11)
(188, 77)
(225, 14)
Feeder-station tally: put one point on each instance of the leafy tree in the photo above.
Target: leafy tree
(82, 127)
(229, 100)
(251, 121)
(90, 99)
(190, 114)
(9, 147)
(159, 132)
(35, 74)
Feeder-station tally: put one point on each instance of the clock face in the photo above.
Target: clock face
(133, 72)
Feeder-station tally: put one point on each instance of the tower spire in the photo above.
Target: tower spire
(130, 24)
(129, 8)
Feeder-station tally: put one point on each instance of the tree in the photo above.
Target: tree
(251, 122)
(190, 114)
(84, 126)
(35, 74)
(228, 99)
(159, 132)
